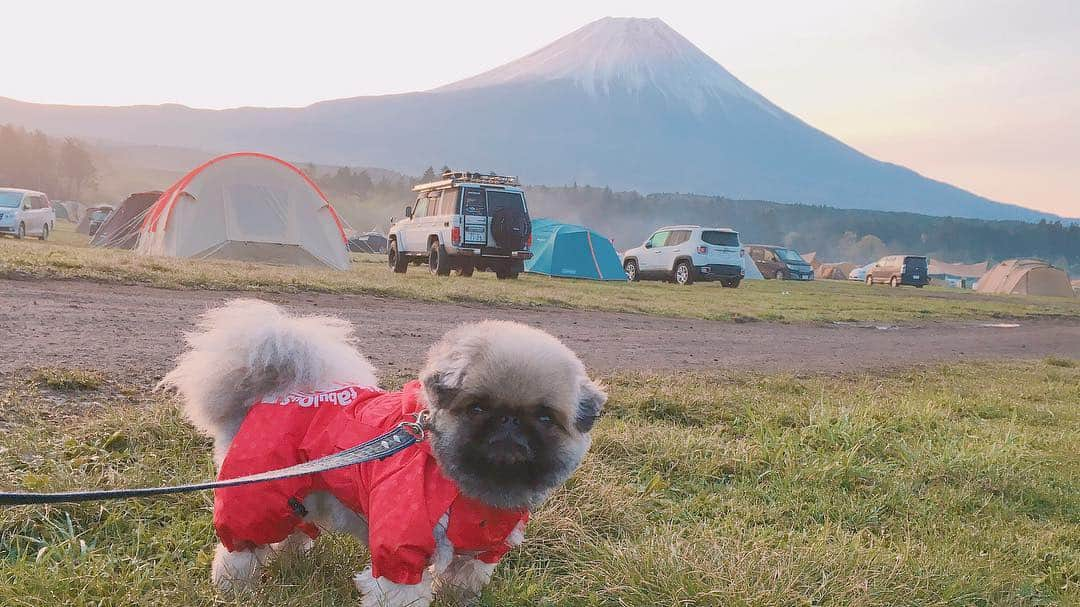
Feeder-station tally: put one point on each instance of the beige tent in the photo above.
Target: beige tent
(1026, 277)
(834, 271)
(811, 258)
(247, 207)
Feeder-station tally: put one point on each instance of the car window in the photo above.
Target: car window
(677, 237)
(421, 207)
(10, 200)
(37, 202)
(448, 202)
(658, 239)
(720, 239)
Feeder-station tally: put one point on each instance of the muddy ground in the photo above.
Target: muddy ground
(137, 332)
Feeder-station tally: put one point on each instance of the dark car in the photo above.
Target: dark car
(780, 263)
(896, 270)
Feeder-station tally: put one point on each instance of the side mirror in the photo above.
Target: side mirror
(408, 212)
(648, 244)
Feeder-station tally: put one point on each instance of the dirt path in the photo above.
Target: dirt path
(138, 330)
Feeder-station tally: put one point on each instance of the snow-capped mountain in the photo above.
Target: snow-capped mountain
(627, 103)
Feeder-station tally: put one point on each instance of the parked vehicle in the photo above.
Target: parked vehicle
(780, 263)
(25, 213)
(683, 254)
(859, 274)
(464, 222)
(896, 270)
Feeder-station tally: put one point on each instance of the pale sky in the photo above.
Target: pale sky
(983, 94)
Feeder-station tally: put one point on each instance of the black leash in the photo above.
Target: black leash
(405, 435)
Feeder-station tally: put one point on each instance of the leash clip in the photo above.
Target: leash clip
(417, 428)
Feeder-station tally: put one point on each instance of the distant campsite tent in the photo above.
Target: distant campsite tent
(98, 213)
(834, 271)
(750, 268)
(121, 229)
(572, 251)
(248, 207)
(958, 274)
(811, 258)
(1026, 277)
(367, 242)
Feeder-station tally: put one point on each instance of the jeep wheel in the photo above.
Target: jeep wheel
(504, 272)
(731, 283)
(438, 260)
(630, 267)
(44, 232)
(465, 269)
(21, 232)
(684, 274)
(398, 262)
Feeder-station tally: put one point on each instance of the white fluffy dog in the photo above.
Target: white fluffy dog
(510, 409)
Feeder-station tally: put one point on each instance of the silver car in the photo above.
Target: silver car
(25, 213)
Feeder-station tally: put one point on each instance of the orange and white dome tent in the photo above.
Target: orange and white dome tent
(249, 207)
(1026, 277)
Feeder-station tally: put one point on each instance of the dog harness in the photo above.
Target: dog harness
(402, 497)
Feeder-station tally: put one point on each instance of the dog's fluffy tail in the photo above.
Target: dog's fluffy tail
(250, 348)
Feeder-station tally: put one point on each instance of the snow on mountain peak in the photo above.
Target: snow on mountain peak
(616, 54)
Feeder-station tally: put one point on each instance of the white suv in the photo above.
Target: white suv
(464, 222)
(25, 213)
(684, 254)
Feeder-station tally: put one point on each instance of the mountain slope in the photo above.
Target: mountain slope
(628, 103)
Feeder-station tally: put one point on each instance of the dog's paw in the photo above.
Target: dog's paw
(381, 592)
(462, 582)
(236, 571)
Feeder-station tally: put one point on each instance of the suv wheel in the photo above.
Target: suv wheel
(21, 232)
(398, 262)
(466, 268)
(505, 272)
(894, 282)
(44, 232)
(630, 267)
(438, 260)
(684, 274)
(732, 283)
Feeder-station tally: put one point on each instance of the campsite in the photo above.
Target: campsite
(503, 305)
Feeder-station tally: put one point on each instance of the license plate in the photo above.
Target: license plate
(916, 276)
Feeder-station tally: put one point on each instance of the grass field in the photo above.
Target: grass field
(823, 300)
(957, 485)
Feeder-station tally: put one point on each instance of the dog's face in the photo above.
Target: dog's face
(511, 410)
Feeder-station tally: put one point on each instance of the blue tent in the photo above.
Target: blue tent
(562, 249)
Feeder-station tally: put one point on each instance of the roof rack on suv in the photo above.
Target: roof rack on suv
(451, 178)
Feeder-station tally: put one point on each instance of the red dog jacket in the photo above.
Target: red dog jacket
(402, 497)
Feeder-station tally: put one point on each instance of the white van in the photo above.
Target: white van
(25, 213)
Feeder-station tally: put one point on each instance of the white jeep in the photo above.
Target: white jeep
(683, 254)
(461, 223)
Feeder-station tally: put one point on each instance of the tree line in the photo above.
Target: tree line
(63, 169)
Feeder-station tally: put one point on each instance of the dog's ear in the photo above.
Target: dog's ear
(591, 401)
(444, 372)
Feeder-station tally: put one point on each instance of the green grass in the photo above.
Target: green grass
(956, 485)
(823, 300)
(67, 379)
